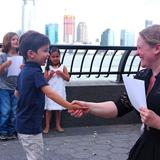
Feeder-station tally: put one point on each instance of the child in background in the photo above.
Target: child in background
(31, 89)
(8, 101)
(56, 74)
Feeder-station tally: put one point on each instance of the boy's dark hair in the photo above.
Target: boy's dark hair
(49, 63)
(32, 40)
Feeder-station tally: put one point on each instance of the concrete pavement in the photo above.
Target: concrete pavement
(109, 142)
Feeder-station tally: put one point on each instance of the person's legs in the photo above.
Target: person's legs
(33, 146)
(5, 109)
(11, 127)
(58, 122)
(47, 121)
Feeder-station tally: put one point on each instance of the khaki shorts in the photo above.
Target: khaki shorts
(33, 146)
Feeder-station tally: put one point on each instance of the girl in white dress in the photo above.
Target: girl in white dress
(56, 74)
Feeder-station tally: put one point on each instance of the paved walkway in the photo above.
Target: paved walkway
(111, 142)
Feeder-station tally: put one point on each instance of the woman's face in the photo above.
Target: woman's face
(15, 41)
(146, 53)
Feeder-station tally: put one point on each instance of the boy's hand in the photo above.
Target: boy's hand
(79, 112)
(22, 66)
(77, 107)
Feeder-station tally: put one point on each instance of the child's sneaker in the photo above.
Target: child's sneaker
(11, 136)
(3, 137)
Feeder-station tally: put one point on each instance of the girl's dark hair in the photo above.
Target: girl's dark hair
(6, 44)
(49, 63)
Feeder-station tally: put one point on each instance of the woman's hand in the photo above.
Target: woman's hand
(79, 113)
(150, 118)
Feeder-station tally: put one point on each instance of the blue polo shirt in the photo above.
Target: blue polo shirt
(31, 100)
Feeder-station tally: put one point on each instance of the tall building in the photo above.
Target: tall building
(127, 38)
(148, 23)
(28, 15)
(107, 38)
(82, 36)
(51, 30)
(69, 29)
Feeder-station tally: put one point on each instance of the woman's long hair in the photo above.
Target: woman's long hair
(6, 44)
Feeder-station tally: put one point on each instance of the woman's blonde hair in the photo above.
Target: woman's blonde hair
(151, 34)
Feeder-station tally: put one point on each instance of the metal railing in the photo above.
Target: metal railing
(99, 61)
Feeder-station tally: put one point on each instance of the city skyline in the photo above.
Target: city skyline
(99, 16)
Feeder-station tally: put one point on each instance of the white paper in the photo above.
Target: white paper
(136, 91)
(14, 68)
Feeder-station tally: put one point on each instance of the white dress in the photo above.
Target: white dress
(58, 84)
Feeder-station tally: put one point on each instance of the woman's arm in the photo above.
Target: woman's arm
(106, 109)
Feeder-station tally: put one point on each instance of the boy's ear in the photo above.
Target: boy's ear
(30, 54)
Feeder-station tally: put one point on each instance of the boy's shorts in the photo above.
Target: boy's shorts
(33, 146)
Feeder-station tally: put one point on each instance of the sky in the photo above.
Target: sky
(98, 14)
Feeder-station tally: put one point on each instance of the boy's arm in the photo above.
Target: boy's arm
(52, 94)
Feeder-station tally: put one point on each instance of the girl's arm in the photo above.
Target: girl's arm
(4, 65)
(48, 74)
(65, 75)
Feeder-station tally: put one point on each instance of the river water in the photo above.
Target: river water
(96, 64)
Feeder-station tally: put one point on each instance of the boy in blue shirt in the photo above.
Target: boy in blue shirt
(31, 90)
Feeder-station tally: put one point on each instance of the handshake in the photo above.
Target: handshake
(79, 109)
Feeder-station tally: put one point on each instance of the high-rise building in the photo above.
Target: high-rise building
(127, 38)
(82, 36)
(69, 29)
(107, 38)
(148, 23)
(51, 30)
(28, 15)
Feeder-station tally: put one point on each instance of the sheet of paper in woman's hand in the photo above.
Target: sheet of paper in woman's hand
(136, 92)
(14, 68)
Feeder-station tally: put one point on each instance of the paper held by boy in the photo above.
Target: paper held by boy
(136, 92)
(15, 67)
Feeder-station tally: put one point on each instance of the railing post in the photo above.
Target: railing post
(122, 64)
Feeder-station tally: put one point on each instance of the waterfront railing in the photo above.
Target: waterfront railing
(88, 62)
(99, 62)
